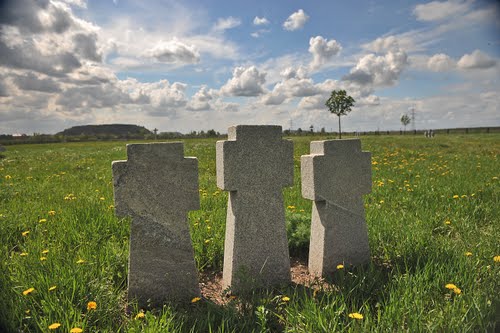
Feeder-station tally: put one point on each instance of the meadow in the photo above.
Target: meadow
(433, 223)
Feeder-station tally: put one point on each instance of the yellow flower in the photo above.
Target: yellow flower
(450, 286)
(25, 233)
(80, 261)
(456, 196)
(42, 220)
(43, 258)
(102, 198)
(381, 201)
(111, 207)
(340, 266)
(285, 298)
(196, 299)
(356, 315)
(496, 258)
(447, 222)
(140, 315)
(468, 254)
(8, 177)
(91, 305)
(54, 326)
(457, 291)
(52, 212)
(76, 330)
(28, 291)
(207, 241)
(45, 251)
(290, 207)
(23, 254)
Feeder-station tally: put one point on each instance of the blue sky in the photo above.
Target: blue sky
(198, 65)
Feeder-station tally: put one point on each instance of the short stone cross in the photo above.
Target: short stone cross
(254, 165)
(335, 175)
(157, 187)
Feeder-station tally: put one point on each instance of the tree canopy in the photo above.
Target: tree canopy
(340, 104)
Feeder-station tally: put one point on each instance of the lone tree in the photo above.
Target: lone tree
(405, 120)
(340, 103)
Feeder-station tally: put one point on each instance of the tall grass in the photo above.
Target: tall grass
(433, 220)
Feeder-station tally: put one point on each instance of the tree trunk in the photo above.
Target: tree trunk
(340, 130)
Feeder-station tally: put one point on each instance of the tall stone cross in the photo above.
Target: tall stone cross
(335, 175)
(157, 187)
(254, 165)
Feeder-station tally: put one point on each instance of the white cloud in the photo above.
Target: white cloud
(476, 60)
(245, 82)
(322, 50)
(260, 21)
(201, 99)
(227, 23)
(441, 10)
(378, 70)
(296, 21)
(174, 51)
(440, 63)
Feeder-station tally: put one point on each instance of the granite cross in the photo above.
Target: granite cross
(254, 165)
(335, 175)
(157, 187)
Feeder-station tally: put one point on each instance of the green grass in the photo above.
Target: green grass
(418, 185)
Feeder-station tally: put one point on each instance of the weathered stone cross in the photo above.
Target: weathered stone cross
(157, 187)
(335, 175)
(254, 164)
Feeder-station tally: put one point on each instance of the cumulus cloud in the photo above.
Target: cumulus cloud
(300, 72)
(260, 21)
(440, 10)
(440, 63)
(476, 60)
(245, 82)
(227, 23)
(296, 21)
(86, 46)
(383, 70)
(32, 82)
(201, 99)
(174, 51)
(322, 50)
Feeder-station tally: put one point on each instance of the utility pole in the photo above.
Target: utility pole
(155, 131)
(412, 109)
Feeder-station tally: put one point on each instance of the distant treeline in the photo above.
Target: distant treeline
(140, 133)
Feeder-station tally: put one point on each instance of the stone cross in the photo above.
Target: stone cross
(157, 187)
(335, 175)
(254, 164)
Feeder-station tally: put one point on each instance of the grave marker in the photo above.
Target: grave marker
(335, 175)
(254, 165)
(157, 187)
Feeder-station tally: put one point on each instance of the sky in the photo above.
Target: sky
(182, 66)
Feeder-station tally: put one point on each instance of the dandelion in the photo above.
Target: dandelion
(450, 286)
(285, 299)
(25, 233)
(111, 207)
(495, 178)
(23, 254)
(102, 198)
(374, 163)
(91, 305)
(42, 220)
(196, 299)
(468, 254)
(207, 241)
(52, 288)
(43, 258)
(140, 315)
(457, 291)
(456, 196)
(28, 291)
(52, 212)
(340, 266)
(447, 222)
(54, 326)
(291, 207)
(80, 261)
(356, 315)
(464, 196)
(76, 330)
(8, 177)
(496, 258)
(45, 251)
(381, 201)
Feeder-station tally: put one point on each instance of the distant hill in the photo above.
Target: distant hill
(118, 130)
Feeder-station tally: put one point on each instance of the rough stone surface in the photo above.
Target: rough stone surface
(335, 176)
(157, 187)
(254, 164)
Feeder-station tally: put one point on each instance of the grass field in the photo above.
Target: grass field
(433, 220)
